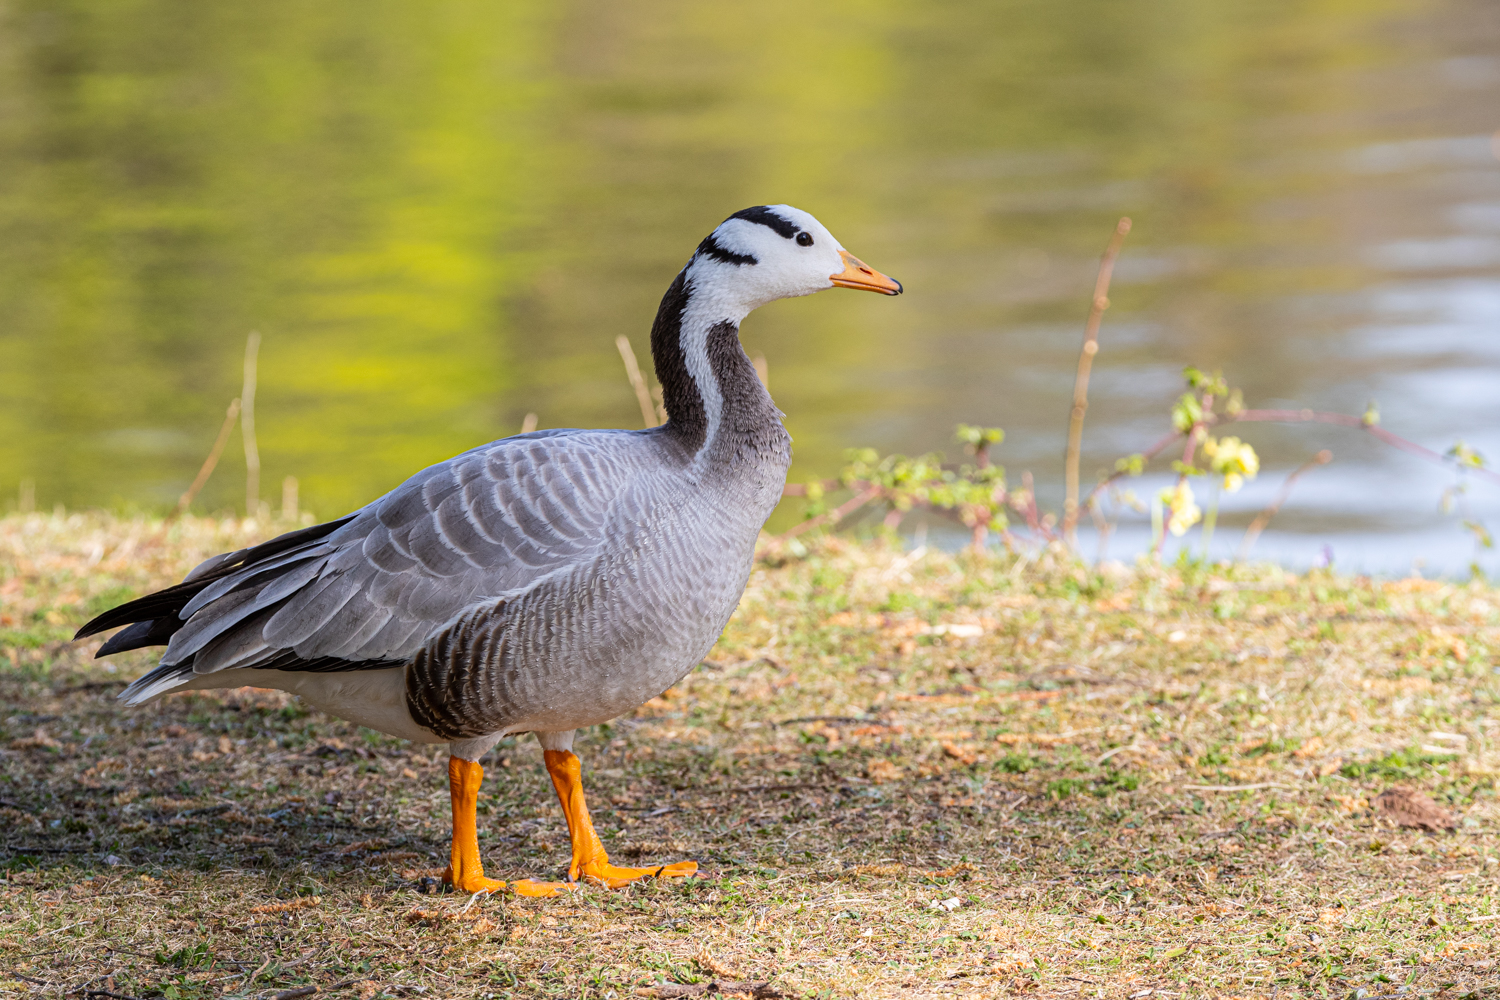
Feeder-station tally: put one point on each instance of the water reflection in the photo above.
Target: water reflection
(439, 219)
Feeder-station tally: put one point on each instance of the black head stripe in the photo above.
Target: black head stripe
(711, 247)
(762, 215)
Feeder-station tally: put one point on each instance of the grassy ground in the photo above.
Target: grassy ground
(908, 775)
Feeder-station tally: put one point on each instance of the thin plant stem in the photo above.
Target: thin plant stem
(1187, 460)
(290, 509)
(637, 380)
(833, 516)
(1104, 527)
(207, 468)
(1158, 526)
(1346, 420)
(1150, 453)
(247, 426)
(1210, 519)
(1264, 517)
(1081, 379)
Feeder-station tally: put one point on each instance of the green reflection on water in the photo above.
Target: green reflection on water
(439, 216)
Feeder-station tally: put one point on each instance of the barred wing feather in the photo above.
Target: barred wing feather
(370, 593)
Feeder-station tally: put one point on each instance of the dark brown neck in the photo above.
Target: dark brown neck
(686, 418)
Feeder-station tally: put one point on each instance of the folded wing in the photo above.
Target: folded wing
(368, 590)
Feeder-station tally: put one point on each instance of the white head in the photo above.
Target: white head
(773, 252)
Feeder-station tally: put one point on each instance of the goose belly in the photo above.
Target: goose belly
(586, 647)
(372, 698)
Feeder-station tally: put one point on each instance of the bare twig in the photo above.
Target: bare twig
(213, 457)
(1187, 461)
(1264, 517)
(893, 518)
(1150, 453)
(1081, 380)
(29, 979)
(723, 986)
(834, 516)
(307, 991)
(1031, 511)
(528, 423)
(762, 370)
(848, 719)
(637, 380)
(1238, 788)
(1101, 525)
(247, 426)
(1347, 420)
(800, 489)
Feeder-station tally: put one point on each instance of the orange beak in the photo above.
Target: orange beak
(858, 274)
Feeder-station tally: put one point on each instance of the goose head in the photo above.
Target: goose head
(774, 252)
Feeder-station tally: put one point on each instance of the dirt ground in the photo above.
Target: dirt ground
(905, 774)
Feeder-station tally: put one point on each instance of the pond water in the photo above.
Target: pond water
(440, 216)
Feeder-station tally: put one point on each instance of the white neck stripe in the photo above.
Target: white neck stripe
(707, 306)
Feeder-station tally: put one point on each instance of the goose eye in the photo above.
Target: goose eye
(804, 239)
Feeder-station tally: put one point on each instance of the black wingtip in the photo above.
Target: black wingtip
(163, 605)
(157, 632)
(92, 628)
(124, 614)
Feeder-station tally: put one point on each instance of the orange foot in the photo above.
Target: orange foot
(465, 872)
(471, 882)
(605, 874)
(589, 858)
(529, 887)
(616, 877)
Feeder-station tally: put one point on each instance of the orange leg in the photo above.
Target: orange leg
(465, 870)
(589, 858)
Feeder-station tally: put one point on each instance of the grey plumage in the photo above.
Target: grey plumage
(541, 582)
(533, 563)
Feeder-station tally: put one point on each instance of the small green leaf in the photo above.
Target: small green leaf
(1186, 412)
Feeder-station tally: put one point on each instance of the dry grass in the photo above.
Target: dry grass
(1008, 779)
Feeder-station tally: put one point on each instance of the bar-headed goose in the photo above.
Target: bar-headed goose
(540, 583)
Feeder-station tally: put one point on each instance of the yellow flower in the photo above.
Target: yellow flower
(1183, 510)
(1233, 459)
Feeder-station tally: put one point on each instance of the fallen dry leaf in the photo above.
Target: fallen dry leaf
(1042, 739)
(412, 874)
(37, 741)
(961, 754)
(1414, 810)
(363, 845)
(395, 857)
(1311, 748)
(723, 986)
(706, 959)
(306, 902)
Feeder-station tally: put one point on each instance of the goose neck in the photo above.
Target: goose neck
(709, 387)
